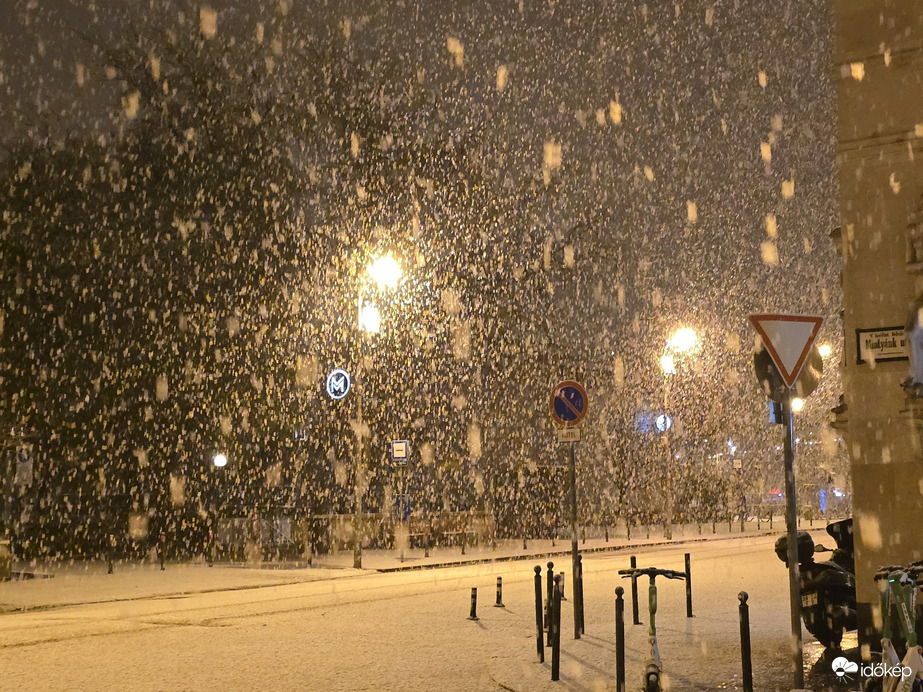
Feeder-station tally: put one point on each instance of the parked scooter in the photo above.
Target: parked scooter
(828, 588)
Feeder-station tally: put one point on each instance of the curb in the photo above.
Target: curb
(555, 553)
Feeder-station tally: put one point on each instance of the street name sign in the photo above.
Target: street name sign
(568, 403)
(881, 344)
(788, 339)
(338, 383)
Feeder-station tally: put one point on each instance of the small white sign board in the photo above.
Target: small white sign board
(881, 345)
(399, 450)
(568, 434)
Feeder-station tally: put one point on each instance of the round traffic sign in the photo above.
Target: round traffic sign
(338, 383)
(568, 403)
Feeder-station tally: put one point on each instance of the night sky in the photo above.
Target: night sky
(676, 158)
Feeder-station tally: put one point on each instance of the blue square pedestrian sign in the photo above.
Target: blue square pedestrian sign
(400, 449)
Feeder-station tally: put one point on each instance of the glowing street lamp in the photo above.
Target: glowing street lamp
(797, 404)
(683, 340)
(667, 364)
(370, 319)
(825, 350)
(385, 271)
(219, 461)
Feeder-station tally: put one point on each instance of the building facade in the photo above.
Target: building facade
(878, 70)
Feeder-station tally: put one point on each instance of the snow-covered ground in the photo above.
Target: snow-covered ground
(341, 629)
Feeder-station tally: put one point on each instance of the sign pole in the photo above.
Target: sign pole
(791, 525)
(568, 408)
(788, 340)
(360, 453)
(573, 537)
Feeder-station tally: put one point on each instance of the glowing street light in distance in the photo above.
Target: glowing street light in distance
(825, 350)
(797, 404)
(385, 271)
(220, 461)
(683, 340)
(667, 364)
(370, 319)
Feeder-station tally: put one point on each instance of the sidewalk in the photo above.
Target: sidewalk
(512, 549)
(75, 583)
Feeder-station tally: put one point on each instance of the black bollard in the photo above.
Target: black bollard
(578, 595)
(619, 640)
(556, 630)
(548, 599)
(499, 603)
(474, 604)
(540, 636)
(634, 594)
(688, 586)
(745, 662)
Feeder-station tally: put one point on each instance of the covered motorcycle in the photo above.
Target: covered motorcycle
(828, 588)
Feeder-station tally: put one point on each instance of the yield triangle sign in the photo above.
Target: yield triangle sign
(789, 339)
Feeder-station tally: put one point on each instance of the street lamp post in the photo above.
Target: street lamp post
(386, 273)
(682, 341)
(219, 461)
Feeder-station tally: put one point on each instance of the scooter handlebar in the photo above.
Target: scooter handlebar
(651, 572)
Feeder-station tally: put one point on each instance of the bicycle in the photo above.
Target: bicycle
(897, 587)
(653, 667)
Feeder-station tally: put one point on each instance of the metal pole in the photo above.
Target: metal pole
(499, 603)
(360, 447)
(791, 526)
(574, 556)
(549, 597)
(540, 636)
(555, 629)
(634, 594)
(745, 662)
(688, 586)
(667, 425)
(473, 615)
(400, 509)
(578, 593)
(619, 640)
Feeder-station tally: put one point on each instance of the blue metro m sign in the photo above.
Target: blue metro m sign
(338, 383)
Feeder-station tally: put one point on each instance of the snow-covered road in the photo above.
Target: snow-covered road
(408, 631)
